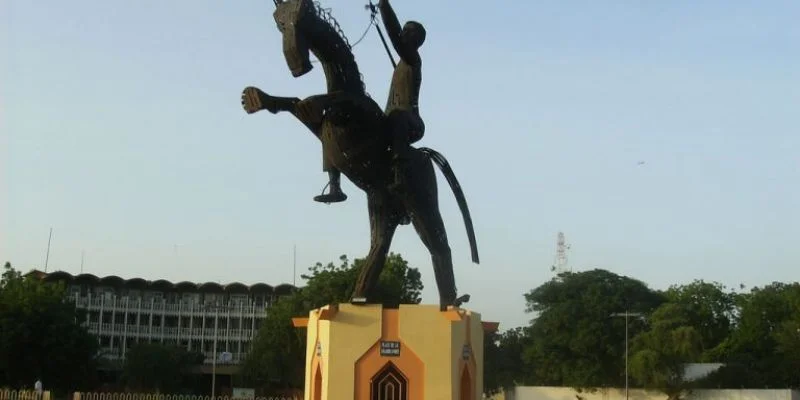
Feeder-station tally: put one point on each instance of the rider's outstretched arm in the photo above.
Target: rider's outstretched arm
(393, 29)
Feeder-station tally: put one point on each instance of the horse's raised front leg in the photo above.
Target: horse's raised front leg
(255, 100)
(383, 223)
(309, 111)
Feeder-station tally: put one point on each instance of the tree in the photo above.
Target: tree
(397, 284)
(277, 356)
(158, 367)
(574, 341)
(661, 352)
(787, 346)
(503, 365)
(708, 307)
(695, 321)
(40, 337)
(764, 341)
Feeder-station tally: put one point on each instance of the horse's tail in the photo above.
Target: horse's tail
(444, 166)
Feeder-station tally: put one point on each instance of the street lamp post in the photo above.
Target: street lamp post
(214, 347)
(214, 350)
(626, 315)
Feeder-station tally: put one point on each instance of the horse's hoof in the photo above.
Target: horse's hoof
(255, 100)
(251, 100)
(445, 305)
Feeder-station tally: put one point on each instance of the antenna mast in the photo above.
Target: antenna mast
(561, 263)
(294, 265)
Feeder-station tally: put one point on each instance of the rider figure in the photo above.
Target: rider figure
(402, 108)
(405, 124)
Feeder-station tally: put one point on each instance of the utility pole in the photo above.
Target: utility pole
(626, 315)
(47, 256)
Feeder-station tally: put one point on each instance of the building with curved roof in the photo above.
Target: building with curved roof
(122, 312)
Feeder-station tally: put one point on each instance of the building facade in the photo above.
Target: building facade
(124, 312)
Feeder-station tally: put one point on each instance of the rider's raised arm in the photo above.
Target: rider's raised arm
(393, 29)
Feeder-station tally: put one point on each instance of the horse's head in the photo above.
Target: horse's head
(292, 17)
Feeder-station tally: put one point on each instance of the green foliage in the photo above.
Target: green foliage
(660, 353)
(503, 364)
(572, 342)
(158, 367)
(398, 284)
(277, 356)
(709, 307)
(766, 340)
(689, 328)
(40, 336)
(575, 341)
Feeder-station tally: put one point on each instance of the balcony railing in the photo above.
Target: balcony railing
(171, 332)
(160, 307)
(234, 358)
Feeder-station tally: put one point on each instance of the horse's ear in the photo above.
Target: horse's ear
(305, 6)
(290, 10)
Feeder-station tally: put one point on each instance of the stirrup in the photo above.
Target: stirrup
(328, 198)
(331, 198)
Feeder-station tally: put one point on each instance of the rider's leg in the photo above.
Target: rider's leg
(400, 150)
(335, 194)
(402, 128)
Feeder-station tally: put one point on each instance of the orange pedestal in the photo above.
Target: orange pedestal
(415, 352)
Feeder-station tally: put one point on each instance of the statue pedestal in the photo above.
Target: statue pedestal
(414, 352)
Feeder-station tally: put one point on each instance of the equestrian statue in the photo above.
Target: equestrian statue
(371, 147)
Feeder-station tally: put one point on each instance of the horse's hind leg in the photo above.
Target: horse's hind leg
(423, 205)
(383, 224)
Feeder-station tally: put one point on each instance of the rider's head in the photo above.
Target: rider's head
(414, 34)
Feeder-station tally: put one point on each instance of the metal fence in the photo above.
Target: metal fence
(7, 394)
(154, 396)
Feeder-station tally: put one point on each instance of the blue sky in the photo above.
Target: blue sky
(122, 129)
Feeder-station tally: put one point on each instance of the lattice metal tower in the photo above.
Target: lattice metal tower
(561, 263)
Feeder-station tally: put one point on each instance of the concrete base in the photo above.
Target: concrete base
(414, 352)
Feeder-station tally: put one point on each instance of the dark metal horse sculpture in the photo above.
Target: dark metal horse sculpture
(354, 134)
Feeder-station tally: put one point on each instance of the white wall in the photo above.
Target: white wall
(695, 371)
(560, 393)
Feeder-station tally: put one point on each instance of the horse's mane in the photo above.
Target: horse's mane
(325, 15)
